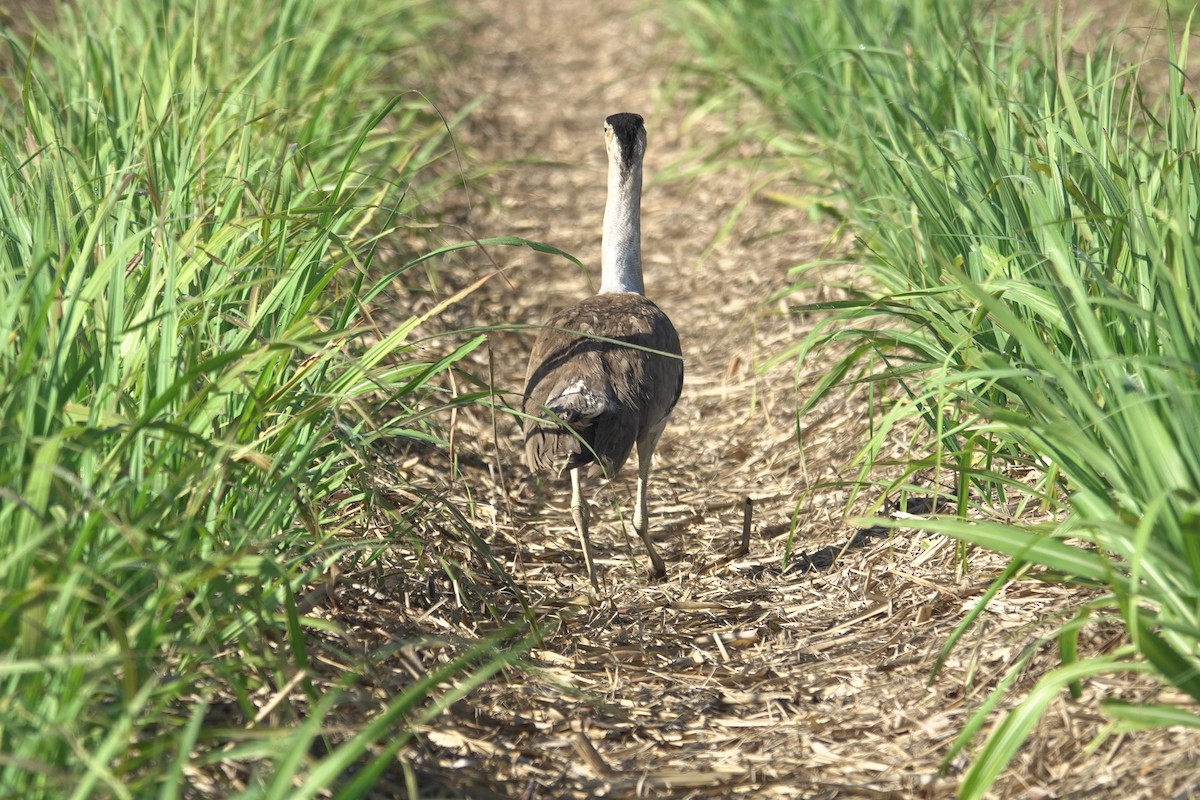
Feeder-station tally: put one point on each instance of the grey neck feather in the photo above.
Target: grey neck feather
(621, 248)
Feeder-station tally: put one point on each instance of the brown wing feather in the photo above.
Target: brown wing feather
(642, 386)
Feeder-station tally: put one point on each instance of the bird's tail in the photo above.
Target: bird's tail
(578, 405)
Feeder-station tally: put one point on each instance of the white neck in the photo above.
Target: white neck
(621, 247)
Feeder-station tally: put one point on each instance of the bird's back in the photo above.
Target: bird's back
(610, 393)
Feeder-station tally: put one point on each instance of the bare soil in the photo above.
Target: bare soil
(737, 675)
(17, 15)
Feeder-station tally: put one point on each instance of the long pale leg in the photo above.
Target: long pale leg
(579, 512)
(641, 514)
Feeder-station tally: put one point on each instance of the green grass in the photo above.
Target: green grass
(198, 203)
(1028, 225)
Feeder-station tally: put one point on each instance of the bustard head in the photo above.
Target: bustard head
(625, 136)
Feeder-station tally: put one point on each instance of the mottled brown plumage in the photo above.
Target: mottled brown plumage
(605, 373)
(629, 378)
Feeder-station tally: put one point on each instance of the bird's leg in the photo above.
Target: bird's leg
(579, 512)
(641, 514)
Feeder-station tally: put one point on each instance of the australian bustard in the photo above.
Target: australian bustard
(605, 373)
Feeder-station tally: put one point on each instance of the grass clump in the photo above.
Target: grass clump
(1028, 218)
(193, 197)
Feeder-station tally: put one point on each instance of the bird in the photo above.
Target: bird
(605, 373)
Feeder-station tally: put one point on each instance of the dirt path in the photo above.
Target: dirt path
(731, 677)
(549, 73)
